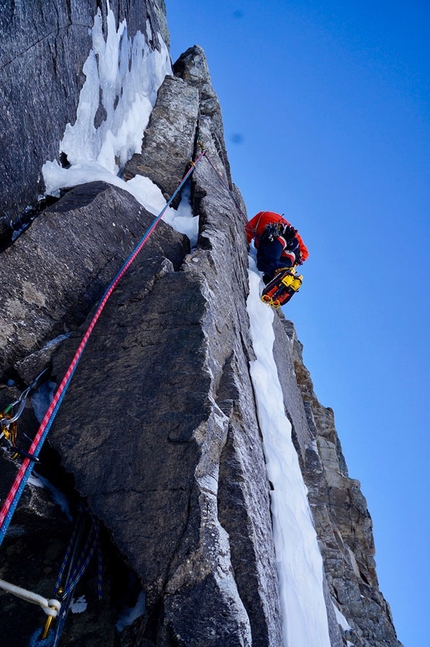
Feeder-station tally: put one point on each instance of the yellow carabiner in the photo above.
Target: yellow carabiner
(10, 430)
(47, 627)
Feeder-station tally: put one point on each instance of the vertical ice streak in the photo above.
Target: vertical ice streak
(299, 562)
(122, 79)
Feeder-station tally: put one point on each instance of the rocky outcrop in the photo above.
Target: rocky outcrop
(158, 432)
(173, 121)
(192, 67)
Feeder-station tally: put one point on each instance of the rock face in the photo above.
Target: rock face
(158, 432)
(173, 120)
(97, 226)
(178, 369)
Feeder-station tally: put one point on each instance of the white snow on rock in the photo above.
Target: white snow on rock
(341, 620)
(124, 74)
(299, 562)
(80, 605)
(130, 614)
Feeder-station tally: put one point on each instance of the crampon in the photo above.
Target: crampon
(282, 287)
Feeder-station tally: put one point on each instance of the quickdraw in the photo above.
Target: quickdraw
(82, 546)
(9, 431)
(9, 422)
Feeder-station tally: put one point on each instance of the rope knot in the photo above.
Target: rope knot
(53, 608)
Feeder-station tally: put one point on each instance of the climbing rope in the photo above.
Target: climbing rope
(77, 566)
(78, 555)
(225, 185)
(24, 473)
(27, 465)
(199, 143)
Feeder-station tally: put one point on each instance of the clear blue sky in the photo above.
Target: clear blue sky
(326, 108)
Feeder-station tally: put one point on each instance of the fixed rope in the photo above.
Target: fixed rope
(27, 465)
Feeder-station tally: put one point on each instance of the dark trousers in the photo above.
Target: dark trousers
(269, 257)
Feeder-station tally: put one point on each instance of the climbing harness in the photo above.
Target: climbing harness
(9, 422)
(21, 479)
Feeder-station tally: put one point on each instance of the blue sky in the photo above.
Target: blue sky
(326, 110)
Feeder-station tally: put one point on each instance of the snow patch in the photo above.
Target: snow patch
(42, 398)
(35, 481)
(79, 605)
(183, 220)
(58, 497)
(340, 618)
(299, 562)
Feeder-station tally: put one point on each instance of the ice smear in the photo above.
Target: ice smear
(340, 618)
(129, 615)
(299, 562)
(42, 398)
(122, 79)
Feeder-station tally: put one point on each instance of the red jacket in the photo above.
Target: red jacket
(255, 227)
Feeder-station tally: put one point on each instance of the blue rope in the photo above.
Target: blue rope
(37, 641)
(78, 567)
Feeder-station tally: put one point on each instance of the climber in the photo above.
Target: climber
(279, 246)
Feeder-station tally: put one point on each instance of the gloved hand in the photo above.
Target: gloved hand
(289, 231)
